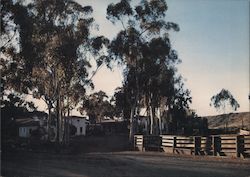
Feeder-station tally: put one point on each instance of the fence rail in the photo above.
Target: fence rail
(223, 145)
(138, 142)
(246, 145)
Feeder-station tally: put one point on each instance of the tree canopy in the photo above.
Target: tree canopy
(143, 45)
(47, 49)
(223, 99)
(97, 106)
(50, 57)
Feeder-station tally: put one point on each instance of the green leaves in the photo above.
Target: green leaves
(144, 47)
(224, 97)
(151, 9)
(99, 43)
(51, 56)
(119, 10)
(15, 102)
(97, 107)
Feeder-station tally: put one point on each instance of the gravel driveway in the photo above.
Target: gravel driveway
(124, 164)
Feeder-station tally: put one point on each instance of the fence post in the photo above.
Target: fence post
(174, 143)
(160, 143)
(143, 144)
(135, 142)
(197, 145)
(239, 145)
(214, 146)
(237, 153)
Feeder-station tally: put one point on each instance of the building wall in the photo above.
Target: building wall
(25, 132)
(80, 125)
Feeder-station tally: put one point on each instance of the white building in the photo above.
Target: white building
(26, 126)
(80, 123)
(33, 121)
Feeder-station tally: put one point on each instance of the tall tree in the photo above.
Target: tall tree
(51, 62)
(223, 99)
(97, 106)
(143, 45)
(121, 102)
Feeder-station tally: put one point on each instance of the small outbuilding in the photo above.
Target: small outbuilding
(80, 123)
(26, 126)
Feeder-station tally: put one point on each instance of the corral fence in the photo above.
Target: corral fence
(217, 145)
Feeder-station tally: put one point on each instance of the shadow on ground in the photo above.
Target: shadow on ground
(120, 164)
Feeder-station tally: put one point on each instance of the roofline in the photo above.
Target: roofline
(75, 117)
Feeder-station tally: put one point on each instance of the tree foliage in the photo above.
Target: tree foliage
(50, 56)
(15, 105)
(97, 106)
(143, 45)
(224, 97)
(121, 101)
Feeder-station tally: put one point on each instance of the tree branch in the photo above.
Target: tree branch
(97, 69)
(122, 24)
(145, 30)
(10, 39)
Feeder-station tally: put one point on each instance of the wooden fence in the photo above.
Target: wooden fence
(222, 145)
(168, 143)
(246, 147)
(138, 142)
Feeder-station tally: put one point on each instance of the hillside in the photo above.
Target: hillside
(232, 120)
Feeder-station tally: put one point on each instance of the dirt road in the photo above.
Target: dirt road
(124, 164)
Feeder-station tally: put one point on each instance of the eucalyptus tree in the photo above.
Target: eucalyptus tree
(158, 79)
(223, 99)
(179, 104)
(14, 18)
(143, 46)
(121, 101)
(51, 58)
(97, 106)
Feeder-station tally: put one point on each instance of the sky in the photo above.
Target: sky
(213, 44)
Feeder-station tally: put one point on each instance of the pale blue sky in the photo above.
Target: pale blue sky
(213, 43)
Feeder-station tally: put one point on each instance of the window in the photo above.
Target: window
(80, 129)
(30, 130)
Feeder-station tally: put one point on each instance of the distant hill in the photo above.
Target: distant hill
(233, 120)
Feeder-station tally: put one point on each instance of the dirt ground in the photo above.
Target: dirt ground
(121, 164)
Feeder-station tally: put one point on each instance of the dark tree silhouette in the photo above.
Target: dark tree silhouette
(222, 100)
(50, 59)
(224, 97)
(143, 45)
(97, 106)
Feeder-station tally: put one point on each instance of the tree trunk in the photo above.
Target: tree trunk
(131, 131)
(152, 116)
(58, 120)
(62, 122)
(67, 126)
(151, 120)
(49, 121)
(59, 116)
(156, 122)
(160, 121)
(134, 109)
